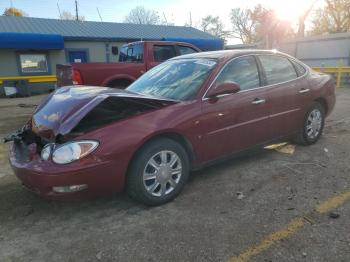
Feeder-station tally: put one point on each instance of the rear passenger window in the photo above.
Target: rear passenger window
(243, 71)
(277, 69)
(163, 52)
(299, 68)
(184, 50)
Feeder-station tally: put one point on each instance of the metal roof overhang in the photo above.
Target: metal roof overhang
(31, 41)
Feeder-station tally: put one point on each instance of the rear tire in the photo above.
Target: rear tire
(312, 126)
(158, 172)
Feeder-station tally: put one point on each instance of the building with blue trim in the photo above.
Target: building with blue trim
(30, 47)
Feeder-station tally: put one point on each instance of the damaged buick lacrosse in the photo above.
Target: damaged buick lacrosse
(182, 115)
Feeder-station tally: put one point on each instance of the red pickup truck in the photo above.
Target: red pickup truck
(134, 59)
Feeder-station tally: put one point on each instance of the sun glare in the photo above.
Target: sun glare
(290, 10)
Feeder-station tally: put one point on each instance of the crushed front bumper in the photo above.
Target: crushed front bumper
(39, 176)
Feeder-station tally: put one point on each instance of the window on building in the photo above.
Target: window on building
(33, 63)
(277, 69)
(163, 52)
(243, 71)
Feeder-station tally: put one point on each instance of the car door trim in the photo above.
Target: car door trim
(238, 125)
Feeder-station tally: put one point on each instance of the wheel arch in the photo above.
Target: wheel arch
(323, 103)
(118, 79)
(182, 140)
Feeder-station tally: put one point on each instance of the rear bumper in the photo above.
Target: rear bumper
(38, 176)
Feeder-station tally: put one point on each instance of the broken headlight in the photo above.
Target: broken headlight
(46, 151)
(72, 151)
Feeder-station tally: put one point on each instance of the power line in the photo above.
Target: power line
(59, 10)
(98, 11)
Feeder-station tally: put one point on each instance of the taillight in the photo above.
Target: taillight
(76, 77)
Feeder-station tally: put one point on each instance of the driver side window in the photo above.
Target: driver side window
(243, 71)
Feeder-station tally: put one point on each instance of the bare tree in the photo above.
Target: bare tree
(141, 15)
(269, 29)
(214, 26)
(302, 18)
(243, 26)
(333, 18)
(66, 15)
(12, 11)
(259, 25)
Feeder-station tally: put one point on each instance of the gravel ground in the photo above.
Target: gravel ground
(224, 210)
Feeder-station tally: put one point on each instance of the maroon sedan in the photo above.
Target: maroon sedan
(183, 114)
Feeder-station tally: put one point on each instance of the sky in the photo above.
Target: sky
(175, 11)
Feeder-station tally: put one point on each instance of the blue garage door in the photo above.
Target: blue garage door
(77, 56)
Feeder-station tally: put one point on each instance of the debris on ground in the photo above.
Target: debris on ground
(240, 195)
(304, 254)
(334, 215)
(287, 149)
(282, 148)
(294, 170)
(326, 150)
(99, 255)
(27, 211)
(292, 194)
(274, 146)
(309, 219)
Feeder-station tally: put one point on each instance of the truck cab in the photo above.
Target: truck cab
(134, 60)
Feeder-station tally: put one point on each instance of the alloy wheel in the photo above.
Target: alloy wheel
(162, 173)
(314, 123)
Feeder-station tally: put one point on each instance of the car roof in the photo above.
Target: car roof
(224, 55)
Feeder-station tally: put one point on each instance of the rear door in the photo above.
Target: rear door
(237, 121)
(282, 86)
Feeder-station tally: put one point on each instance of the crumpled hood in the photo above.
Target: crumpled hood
(61, 111)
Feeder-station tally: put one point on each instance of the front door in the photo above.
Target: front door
(77, 56)
(237, 121)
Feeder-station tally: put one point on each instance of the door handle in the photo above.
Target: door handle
(258, 101)
(303, 90)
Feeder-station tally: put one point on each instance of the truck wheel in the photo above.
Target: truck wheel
(158, 173)
(120, 84)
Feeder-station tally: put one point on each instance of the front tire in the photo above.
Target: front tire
(158, 172)
(312, 126)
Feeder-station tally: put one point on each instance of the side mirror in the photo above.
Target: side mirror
(223, 89)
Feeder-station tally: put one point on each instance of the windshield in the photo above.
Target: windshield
(177, 79)
(131, 53)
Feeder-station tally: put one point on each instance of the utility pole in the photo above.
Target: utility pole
(166, 20)
(76, 11)
(190, 19)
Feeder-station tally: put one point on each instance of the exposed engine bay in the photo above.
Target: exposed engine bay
(111, 109)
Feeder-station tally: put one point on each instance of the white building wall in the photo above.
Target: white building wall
(328, 51)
